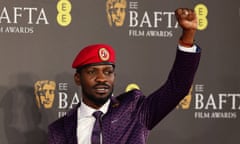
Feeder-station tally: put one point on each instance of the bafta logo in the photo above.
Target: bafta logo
(45, 93)
(116, 12)
(185, 102)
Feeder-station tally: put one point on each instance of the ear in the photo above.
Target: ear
(77, 79)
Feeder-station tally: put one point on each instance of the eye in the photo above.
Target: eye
(91, 72)
(108, 72)
(41, 93)
(51, 91)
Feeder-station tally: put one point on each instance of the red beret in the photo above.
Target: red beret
(93, 54)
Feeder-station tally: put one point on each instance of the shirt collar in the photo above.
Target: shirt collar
(86, 111)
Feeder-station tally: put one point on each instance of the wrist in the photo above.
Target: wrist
(185, 43)
(187, 38)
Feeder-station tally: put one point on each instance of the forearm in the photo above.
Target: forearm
(183, 71)
(179, 81)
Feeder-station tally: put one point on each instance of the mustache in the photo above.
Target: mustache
(102, 85)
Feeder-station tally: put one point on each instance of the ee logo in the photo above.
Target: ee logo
(131, 86)
(64, 8)
(201, 12)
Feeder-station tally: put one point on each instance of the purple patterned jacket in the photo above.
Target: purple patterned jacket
(132, 115)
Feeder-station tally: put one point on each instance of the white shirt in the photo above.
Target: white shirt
(86, 121)
(192, 49)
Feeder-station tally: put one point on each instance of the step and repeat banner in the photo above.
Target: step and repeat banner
(40, 38)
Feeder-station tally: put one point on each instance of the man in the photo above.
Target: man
(128, 118)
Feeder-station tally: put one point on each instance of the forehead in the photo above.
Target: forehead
(48, 86)
(102, 66)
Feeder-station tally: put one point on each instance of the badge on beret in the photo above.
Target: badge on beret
(104, 54)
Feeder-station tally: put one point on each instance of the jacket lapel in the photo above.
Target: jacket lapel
(70, 122)
(108, 118)
(70, 125)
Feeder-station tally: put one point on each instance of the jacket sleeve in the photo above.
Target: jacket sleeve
(50, 137)
(157, 105)
(56, 134)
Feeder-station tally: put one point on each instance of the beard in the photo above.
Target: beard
(99, 101)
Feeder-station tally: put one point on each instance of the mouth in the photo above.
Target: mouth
(101, 89)
(117, 20)
(46, 102)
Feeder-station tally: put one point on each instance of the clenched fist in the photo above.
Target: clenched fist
(187, 19)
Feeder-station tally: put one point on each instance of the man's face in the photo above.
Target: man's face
(45, 93)
(97, 84)
(185, 102)
(117, 13)
(47, 99)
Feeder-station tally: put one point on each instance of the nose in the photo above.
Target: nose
(46, 93)
(101, 77)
